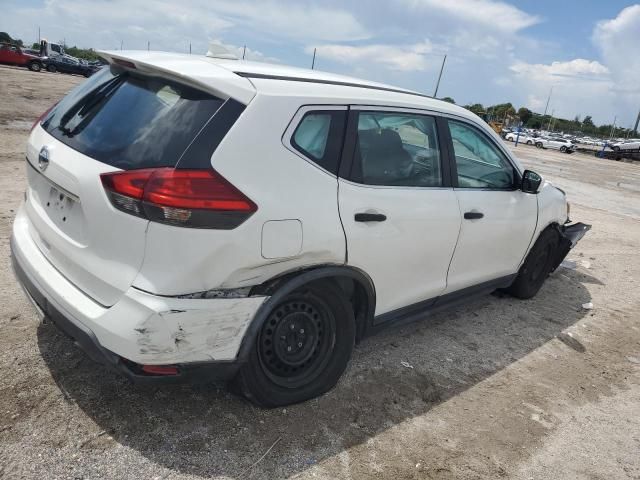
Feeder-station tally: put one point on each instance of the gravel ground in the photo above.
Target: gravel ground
(498, 388)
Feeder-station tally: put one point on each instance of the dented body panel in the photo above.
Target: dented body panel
(141, 327)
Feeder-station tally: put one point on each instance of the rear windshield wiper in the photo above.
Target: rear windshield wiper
(86, 105)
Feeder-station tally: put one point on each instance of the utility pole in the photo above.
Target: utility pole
(313, 61)
(39, 37)
(244, 51)
(613, 127)
(439, 76)
(550, 118)
(148, 45)
(121, 43)
(548, 98)
(635, 129)
(189, 48)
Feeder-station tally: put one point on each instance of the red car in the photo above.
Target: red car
(13, 55)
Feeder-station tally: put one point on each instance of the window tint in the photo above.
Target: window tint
(131, 121)
(319, 137)
(397, 149)
(479, 162)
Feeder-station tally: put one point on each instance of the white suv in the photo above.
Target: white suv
(191, 218)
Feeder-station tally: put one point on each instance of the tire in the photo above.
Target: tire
(538, 145)
(563, 149)
(536, 267)
(35, 67)
(529, 142)
(302, 348)
(51, 68)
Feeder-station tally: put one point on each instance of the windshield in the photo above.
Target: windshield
(131, 121)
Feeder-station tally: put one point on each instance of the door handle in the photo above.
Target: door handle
(369, 217)
(473, 215)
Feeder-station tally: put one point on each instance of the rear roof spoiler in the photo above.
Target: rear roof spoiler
(194, 70)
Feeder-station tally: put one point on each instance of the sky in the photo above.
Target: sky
(497, 51)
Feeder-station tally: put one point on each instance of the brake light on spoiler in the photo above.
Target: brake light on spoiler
(186, 198)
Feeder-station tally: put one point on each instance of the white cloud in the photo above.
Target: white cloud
(586, 69)
(404, 58)
(498, 15)
(168, 24)
(618, 40)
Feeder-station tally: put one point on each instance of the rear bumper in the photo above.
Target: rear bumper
(570, 235)
(201, 337)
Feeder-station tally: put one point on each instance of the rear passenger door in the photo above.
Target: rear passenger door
(398, 209)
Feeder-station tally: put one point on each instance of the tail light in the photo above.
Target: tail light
(186, 198)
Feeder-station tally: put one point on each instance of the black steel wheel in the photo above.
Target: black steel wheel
(295, 340)
(302, 347)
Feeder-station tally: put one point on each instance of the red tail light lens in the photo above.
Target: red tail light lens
(188, 198)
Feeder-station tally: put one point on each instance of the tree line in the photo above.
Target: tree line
(507, 114)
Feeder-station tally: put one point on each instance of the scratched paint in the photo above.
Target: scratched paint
(190, 335)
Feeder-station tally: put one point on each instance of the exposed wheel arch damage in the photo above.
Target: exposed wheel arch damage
(356, 284)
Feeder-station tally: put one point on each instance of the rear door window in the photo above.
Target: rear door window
(131, 121)
(397, 149)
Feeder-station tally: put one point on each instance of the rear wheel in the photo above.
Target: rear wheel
(302, 348)
(51, 68)
(35, 66)
(538, 145)
(536, 267)
(529, 142)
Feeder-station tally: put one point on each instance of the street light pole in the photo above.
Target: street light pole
(313, 60)
(439, 77)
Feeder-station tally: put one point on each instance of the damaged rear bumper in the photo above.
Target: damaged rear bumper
(201, 337)
(570, 235)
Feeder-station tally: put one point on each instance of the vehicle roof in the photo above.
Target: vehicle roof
(243, 79)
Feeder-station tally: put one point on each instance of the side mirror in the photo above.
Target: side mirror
(530, 182)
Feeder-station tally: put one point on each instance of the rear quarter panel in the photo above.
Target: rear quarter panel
(283, 185)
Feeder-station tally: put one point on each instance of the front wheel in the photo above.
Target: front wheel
(302, 349)
(563, 149)
(536, 267)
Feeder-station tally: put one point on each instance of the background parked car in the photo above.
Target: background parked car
(65, 64)
(13, 55)
(557, 143)
(627, 145)
(524, 138)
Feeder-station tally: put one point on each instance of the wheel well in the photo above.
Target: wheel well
(356, 286)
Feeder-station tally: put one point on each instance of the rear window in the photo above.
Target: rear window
(131, 121)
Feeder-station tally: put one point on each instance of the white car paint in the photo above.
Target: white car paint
(119, 274)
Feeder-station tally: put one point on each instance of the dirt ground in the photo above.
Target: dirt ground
(499, 388)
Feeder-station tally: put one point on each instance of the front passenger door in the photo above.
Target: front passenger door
(498, 219)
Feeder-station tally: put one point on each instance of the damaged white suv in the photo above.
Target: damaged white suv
(192, 218)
